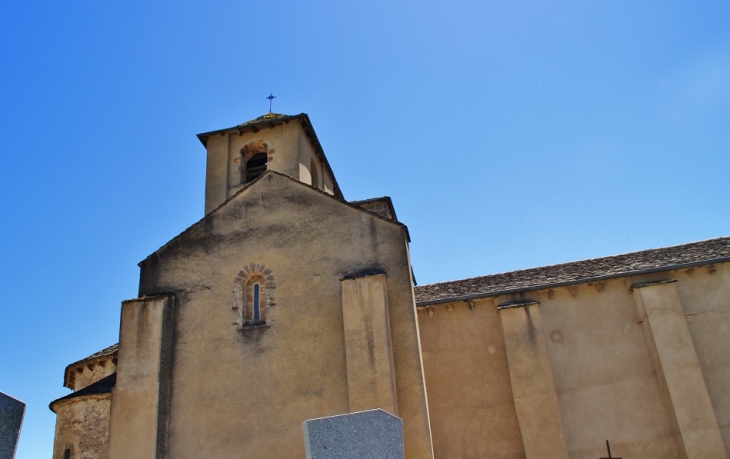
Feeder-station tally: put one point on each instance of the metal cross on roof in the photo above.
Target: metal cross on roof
(608, 447)
(271, 98)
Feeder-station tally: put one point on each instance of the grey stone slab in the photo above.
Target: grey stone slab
(372, 434)
(11, 418)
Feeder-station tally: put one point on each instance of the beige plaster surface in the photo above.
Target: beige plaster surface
(306, 153)
(469, 391)
(681, 372)
(603, 374)
(368, 348)
(139, 399)
(533, 387)
(704, 293)
(245, 393)
(216, 172)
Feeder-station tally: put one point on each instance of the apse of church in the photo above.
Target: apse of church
(286, 303)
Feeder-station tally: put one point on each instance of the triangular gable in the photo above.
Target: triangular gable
(270, 173)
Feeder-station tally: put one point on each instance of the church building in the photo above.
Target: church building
(286, 302)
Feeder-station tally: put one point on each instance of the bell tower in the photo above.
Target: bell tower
(240, 154)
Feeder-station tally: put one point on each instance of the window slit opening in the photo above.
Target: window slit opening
(256, 166)
(256, 305)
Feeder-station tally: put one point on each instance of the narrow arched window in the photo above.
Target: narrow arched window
(315, 173)
(253, 296)
(67, 454)
(255, 166)
(255, 300)
(256, 303)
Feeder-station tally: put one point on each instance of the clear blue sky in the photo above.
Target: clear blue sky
(510, 134)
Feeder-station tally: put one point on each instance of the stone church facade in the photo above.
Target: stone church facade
(286, 303)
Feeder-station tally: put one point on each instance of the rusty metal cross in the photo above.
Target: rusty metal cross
(608, 447)
(271, 98)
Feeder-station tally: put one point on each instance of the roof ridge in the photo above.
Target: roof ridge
(267, 173)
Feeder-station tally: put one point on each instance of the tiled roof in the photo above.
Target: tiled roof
(111, 350)
(704, 252)
(102, 386)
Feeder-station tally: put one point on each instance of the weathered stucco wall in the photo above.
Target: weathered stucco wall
(306, 153)
(245, 392)
(82, 426)
(368, 344)
(705, 296)
(606, 381)
(306, 156)
(604, 377)
(469, 391)
(140, 400)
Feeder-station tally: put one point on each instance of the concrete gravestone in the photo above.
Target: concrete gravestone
(11, 418)
(372, 434)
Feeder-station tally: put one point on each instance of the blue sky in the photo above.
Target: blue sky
(510, 134)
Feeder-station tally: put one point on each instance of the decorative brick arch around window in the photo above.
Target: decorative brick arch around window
(254, 160)
(254, 281)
